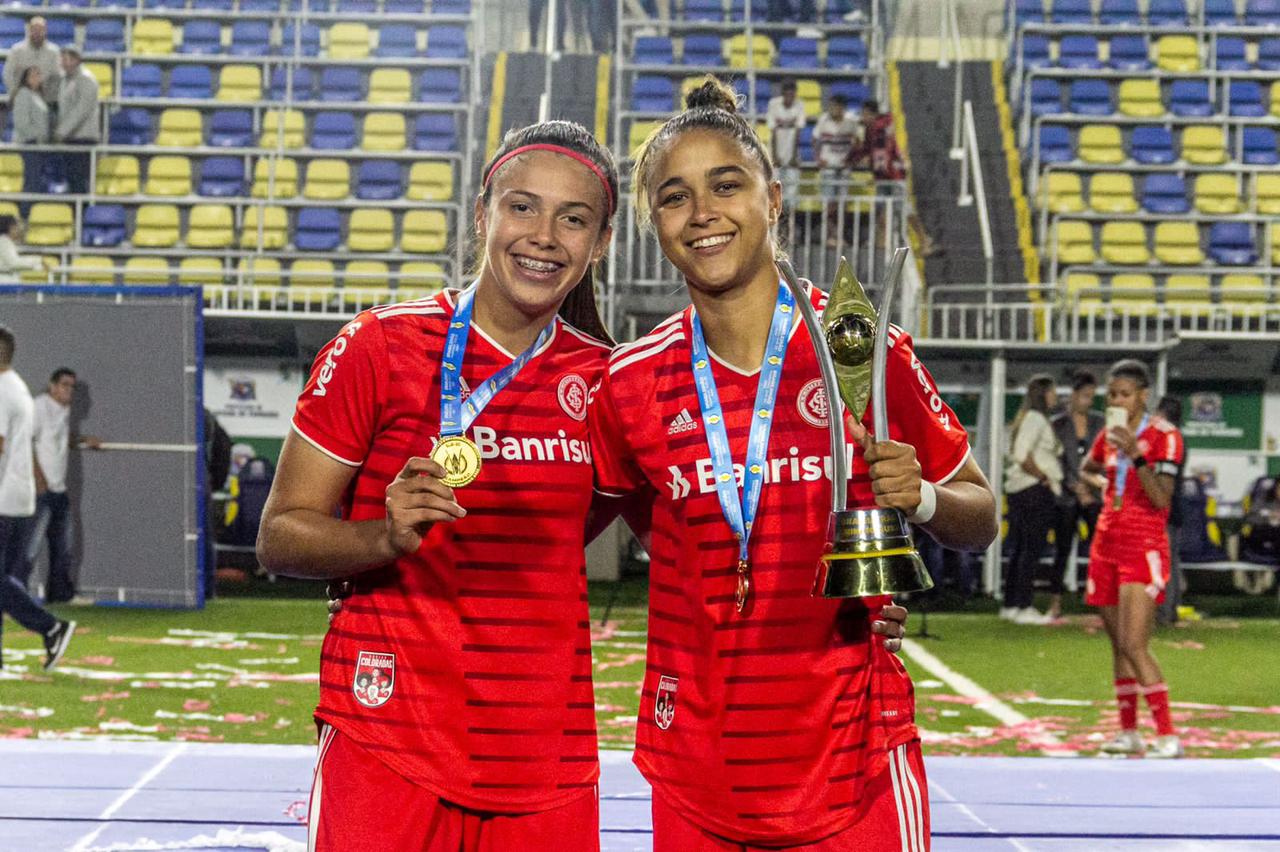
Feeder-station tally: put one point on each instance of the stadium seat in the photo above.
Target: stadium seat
(1236, 288)
(1178, 244)
(1177, 53)
(756, 52)
(1054, 143)
(104, 35)
(292, 123)
(1028, 11)
(191, 82)
(397, 40)
(420, 278)
(1112, 192)
(1231, 243)
(430, 181)
(1129, 53)
(1231, 55)
(1267, 194)
(210, 226)
(284, 183)
(446, 42)
(317, 229)
(262, 273)
(435, 132)
(371, 229)
(1071, 12)
(355, 7)
(155, 226)
(809, 93)
(1262, 13)
(1079, 52)
(250, 38)
(104, 75)
(341, 84)
(12, 29)
(649, 50)
(231, 128)
(92, 269)
(1084, 292)
(1190, 98)
(348, 40)
(390, 86)
(424, 232)
(441, 85)
(144, 271)
(707, 11)
(312, 272)
(168, 177)
(708, 51)
(1186, 291)
(240, 83)
(10, 173)
(1100, 143)
(847, 53)
(652, 94)
(102, 225)
(303, 84)
(1275, 99)
(1091, 97)
(1259, 146)
(1269, 54)
(364, 280)
(1119, 13)
(275, 227)
(1220, 13)
(303, 40)
(1164, 192)
(221, 177)
(793, 53)
(1140, 98)
(61, 30)
(1218, 194)
(141, 80)
(118, 175)
(199, 38)
(1246, 99)
(204, 272)
(328, 180)
(1204, 145)
(152, 37)
(383, 131)
(1152, 145)
(639, 132)
(742, 88)
(130, 126)
(1075, 242)
(1124, 243)
(180, 128)
(738, 10)
(1133, 293)
(379, 180)
(211, 5)
(333, 131)
(1046, 97)
(1035, 52)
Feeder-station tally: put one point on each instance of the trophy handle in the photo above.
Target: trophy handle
(879, 358)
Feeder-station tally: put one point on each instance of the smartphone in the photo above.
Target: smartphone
(1117, 416)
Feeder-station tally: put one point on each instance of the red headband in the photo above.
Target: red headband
(556, 149)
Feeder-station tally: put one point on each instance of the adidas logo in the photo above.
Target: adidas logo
(684, 422)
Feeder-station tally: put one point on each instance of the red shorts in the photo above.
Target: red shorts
(894, 817)
(359, 805)
(1113, 564)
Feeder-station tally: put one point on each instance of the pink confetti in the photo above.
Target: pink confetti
(1186, 645)
(628, 660)
(98, 661)
(953, 699)
(604, 631)
(16, 733)
(106, 696)
(192, 705)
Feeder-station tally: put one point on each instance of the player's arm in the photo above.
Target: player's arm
(1157, 477)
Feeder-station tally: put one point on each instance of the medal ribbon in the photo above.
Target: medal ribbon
(455, 416)
(1123, 463)
(740, 509)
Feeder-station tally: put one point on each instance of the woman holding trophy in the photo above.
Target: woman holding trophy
(768, 717)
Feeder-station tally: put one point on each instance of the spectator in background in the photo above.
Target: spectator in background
(1032, 481)
(10, 261)
(1076, 427)
(801, 11)
(77, 118)
(879, 150)
(34, 50)
(30, 127)
(833, 138)
(785, 117)
(1170, 408)
(17, 507)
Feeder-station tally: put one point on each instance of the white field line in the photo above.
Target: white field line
(1271, 764)
(967, 811)
(985, 701)
(147, 778)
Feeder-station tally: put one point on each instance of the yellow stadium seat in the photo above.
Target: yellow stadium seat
(1134, 293)
(1275, 99)
(92, 269)
(1061, 192)
(1217, 194)
(419, 278)
(1267, 193)
(295, 128)
(1112, 192)
(168, 177)
(1075, 242)
(156, 226)
(639, 132)
(1240, 287)
(1275, 242)
(328, 180)
(147, 270)
(383, 131)
(152, 37)
(106, 77)
(1084, 292)
(43, 274)
(1141, 98)
(765, 134)
(1186, 290)
(201, 272)
(240, 83)
(260, 272)
(761, 51)
(1204, 145)
(1178, 244)
(210, 226)
(275, 227)
(430, 181)
(117, 175)
(371, 229)
(1125, 243)
(1100, 143)
(810, 94)
(286, 178)
(424, 232)
(313, 273)
(180, 128)
(809, 195)
(390, 86)
(49, 224)
(366, 278)
(11, 173)
(8, 208)
(1178, 53)
(348, 40)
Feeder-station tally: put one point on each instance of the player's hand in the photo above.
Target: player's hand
(892, 626)
(895, 472)
(336, 591)
(416, 499)
(1123, 440)
(91, 442)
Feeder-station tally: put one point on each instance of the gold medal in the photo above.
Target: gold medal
(743, 591)
(460, 458)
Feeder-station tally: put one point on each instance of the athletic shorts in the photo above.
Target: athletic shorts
(359, 805)
(1132, 561)
(894, 817)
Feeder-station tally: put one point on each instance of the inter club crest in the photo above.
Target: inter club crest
(572, 393)
(812, 404)
(664, 706)
(375, 678)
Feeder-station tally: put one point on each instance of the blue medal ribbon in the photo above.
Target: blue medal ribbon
(1123, 463)
(740, 508)
(455, 416)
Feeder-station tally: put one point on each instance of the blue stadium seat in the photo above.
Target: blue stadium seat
(1055, 144)
(653, 94)
(1165, 193)
(321, 6)
(650, 50)
(357, 7)
(404, 7)
(303, 84)
(379, 180)
(848, 52)
(1167, 13)
(1091, 96)
(435, 132)
(854, 92)
(341, 84)
(1262, 13)
(274, 6)
(308, 33)
(201, 38)
(1269, 54)
(12, 30)
(1151, 145)
(764, 91)
(61, 30)
(104, 35)
(793, 52)
(738, 10)
(1071, 12)
(804, 144)
(440, 86)
(1130, 53)
(1190, 98)
(1046, 97)
(1259, 146)
(446, 43)
(102, 225)
(333, 131)
(708, 50)
(397, 40)
(70, 4)
(703, 10)
(1220, 13)
(1028, 12)
(164, 4)
(1035, 51)
(837, 10)
(132, 126)
(1246, 99)
(250, 38)
(451, 7)
(191, 81)
(141, 81)
(317, 229)
(211, 5)
(1231, 243)
(1119, 12)
(231, 128)
(1078, 51)
(221, 177)
(1231, 54)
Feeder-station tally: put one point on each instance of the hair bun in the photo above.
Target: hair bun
(712, 94)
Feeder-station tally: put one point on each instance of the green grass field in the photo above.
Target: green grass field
(244, 670)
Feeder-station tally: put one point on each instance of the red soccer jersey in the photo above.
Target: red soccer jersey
(466, 666)
(1161, 445)
(760, 727)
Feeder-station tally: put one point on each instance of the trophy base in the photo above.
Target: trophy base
(870, 553)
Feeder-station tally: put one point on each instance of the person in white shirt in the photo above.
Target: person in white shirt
(785, 117)
(833, 138)
(10, 261)
(17, 507)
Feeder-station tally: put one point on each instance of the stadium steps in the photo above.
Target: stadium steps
(579, 92)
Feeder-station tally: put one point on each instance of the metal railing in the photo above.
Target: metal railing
(972, 184)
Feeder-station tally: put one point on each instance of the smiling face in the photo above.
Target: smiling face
(712, 207)
(542, 228)
(63, 389)
(1126, 393)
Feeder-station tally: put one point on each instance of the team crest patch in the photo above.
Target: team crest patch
(664, 706)
(375, 678)
(812, 403)
(572, 393)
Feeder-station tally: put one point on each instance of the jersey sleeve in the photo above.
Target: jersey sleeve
(339, 408)
(918, 415)
(1165, 454)
(1098, 452)
(616, 470)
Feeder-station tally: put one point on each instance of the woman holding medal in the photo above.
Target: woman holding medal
(456, 705)
(768, 717)
(1129, 558)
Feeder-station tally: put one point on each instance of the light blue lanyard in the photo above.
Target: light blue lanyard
(456, 418)
(740, 509)
(1123, 463)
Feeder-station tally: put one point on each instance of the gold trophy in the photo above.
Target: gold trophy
(869, 550)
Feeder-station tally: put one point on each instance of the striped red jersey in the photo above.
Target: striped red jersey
(760, 726)
(466, 666)
(1161, 445)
